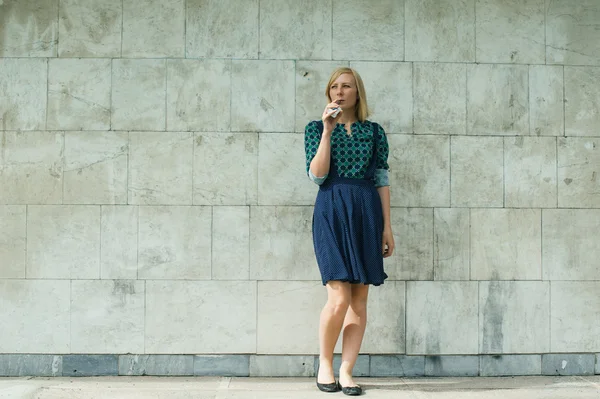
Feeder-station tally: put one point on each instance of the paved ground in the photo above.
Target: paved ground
(298, 388)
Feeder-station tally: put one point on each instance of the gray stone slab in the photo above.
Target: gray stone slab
(18, 365)
(167, 365)
(572, 34)
(367, 40)
(582, 108)
(208, 35)
(440, 30)
(509, 365)
(397, 366)
(222, 365)
(361, 368)
(510, 31)
(294, 29)
(574, 321)
(282, 366)
(30, 28)
(568, 364)
(89, 365)
(598, 363)
(452, 366)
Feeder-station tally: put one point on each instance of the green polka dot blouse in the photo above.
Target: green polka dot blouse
(351, 153)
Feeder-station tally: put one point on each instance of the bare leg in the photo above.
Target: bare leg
(332, 319)
(354, 330)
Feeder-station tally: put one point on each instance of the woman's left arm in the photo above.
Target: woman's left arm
(388, 237)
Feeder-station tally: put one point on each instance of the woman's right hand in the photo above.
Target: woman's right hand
(329, 122)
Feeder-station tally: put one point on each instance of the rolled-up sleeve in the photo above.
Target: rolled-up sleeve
(382, 168)
(312, 139)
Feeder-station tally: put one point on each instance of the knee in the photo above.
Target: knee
(338, 306)
(359, 305)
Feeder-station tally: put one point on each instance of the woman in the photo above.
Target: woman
(346, 155)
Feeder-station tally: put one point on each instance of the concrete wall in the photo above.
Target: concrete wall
(155, 214)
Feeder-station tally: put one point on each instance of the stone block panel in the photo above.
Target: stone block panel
(138, 94)
(281, 246)
(530, 172)
(506, 244)
(570, 245)
(419, 170)
(386, 330)
(452, 366)
(582, 104)
(264, 103)
(441, 317)
(508, 86)
(546, 100)
(175, 242)
(575, 319)
(90, 365)
(160, 168)
(198, 325)
(451, 252)
(279, 333)
(13, 241)
(32, 168)
(90, 29)
(153, 28)
(295, 29)
(440, 98)
(413, 236)
(510, 31)
(397, 366)
(477, 171)
(231, 243)
(282, 366)
(198, 95)
(95, 170)
(119, 242)
(63, 242)
(107, 316)
(279, 184)
(578, 170)
(510, 365)
(226, 168)
(221, 29)
(568, 364)
(24, 84)
(30, 28)
(377, 31)
(30, 365)
(572, 37)
(514, 317)
(79, 94)
(160, 365)
(27, 309)
(430, 37)
(222, 365)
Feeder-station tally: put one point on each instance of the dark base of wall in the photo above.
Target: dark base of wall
(16, 365)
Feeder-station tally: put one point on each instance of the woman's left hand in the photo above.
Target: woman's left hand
(387, 242)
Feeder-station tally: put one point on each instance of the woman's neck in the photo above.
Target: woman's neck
(345, 120)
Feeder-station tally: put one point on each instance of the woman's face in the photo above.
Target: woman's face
(344, 90)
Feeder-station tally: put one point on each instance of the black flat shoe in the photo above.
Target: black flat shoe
(350, 391)
(331, 387)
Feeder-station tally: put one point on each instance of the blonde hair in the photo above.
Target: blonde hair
(361, 109)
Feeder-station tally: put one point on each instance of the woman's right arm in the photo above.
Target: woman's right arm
(319, 166)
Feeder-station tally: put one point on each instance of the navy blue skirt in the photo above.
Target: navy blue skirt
(347, 231)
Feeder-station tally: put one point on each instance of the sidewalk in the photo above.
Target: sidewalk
(297, 388)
